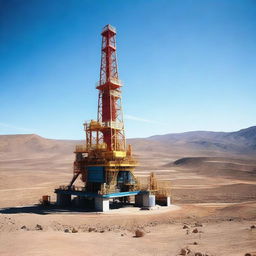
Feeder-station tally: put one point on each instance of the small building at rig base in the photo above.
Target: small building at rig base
(105, 164)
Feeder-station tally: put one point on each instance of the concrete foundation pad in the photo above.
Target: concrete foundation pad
(101, 204)
(145, 200)
(163, 201)
(149, 200)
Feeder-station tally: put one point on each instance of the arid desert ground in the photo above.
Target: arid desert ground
(213, 195)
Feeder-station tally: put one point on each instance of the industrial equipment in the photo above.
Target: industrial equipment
(45, 201)
(105, 163)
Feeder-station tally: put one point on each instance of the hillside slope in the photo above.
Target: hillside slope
(203, 143)
(239, 142)
(32, 144)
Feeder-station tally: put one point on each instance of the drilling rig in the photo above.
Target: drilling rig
(105, 163)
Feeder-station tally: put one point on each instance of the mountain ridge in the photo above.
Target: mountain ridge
(200, 142)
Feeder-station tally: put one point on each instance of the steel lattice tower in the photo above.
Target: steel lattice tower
(110, 101)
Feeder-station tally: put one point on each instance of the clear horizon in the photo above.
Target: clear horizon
(15, 134)
(186, 65)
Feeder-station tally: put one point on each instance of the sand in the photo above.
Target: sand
(217, 192)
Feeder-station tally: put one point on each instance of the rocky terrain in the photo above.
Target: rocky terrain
(213, 180)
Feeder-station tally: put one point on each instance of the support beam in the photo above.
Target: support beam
(168, 201)
(139, 200)
(148, 200)
(80, 202)
(145, 200)
(101, 204)
(63, 199)
(73, 179)
(163, 201)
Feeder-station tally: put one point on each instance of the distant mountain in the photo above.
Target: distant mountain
(29, 144)
(197, 143)
(242, 141)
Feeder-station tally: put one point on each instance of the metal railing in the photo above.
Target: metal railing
(110, 80)
(113, 124)
(81, 148)
(73, 188)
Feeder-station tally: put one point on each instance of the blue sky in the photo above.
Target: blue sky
(186, 64)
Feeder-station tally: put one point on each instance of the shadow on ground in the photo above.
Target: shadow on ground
(54, 209)
(43, 210)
